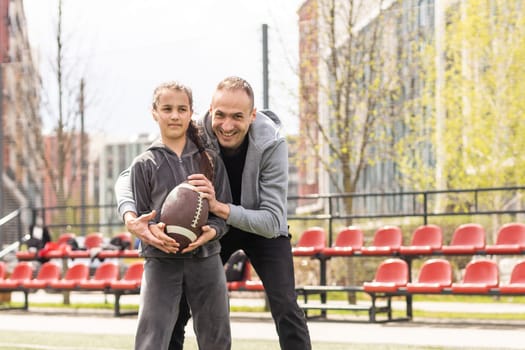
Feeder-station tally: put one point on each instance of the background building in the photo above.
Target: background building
(20, 124)
(115, 157)
(396, 27)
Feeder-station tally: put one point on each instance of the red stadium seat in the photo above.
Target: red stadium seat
(480, 276)
(390, 275)
(132, 277)
(466, 239)
(129, 253)
(2, 270)
(65, 237)
(311, 243)
(22, 255)
(49, 272)
(516, 284)
(348, 242)
(128, 284)
(510, 240)
(54, 250)
(254, 285)
(58, 249)
(72, 278)
(434, 276)
(126, 239)
(387, 240)
(426, 239)
(23, 271)
(246, 283)
(92, 244)
(105, 274)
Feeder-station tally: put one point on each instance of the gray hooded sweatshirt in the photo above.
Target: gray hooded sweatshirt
(157, 171)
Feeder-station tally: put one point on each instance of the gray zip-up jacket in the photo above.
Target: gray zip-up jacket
(264, 179)
(157, 171)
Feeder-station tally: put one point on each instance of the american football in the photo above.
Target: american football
(184, 212)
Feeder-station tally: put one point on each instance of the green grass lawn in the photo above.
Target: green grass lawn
(30, 340)
(67, 341)
(418, 314)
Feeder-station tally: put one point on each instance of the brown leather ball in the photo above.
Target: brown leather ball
(184, 212)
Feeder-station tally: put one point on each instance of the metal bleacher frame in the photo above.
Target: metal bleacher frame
(415, 204)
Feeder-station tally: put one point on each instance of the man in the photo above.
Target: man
(256, 159)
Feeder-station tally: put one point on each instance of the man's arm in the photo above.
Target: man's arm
(124, 194)
(268, 218)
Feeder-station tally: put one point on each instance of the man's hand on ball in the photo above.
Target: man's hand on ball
(203, 185)
(150, 234)
(208, 233)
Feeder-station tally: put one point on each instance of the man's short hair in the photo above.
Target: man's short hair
(237, 83)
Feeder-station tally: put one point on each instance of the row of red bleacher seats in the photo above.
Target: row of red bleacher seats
(107, 279)
(93, 245)
(435, 276)
(426, 240)
(392, 278)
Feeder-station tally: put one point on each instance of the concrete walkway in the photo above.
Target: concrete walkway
(348, 329)
(260, 326)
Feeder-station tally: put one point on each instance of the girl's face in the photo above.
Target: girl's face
(173, 114)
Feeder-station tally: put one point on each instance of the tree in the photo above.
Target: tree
(471, 137)
(62, 152)
(351, 84)
(63, 148)
(482, 136)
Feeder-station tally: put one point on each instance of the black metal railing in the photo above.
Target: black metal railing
(413, 204)
(328, 208)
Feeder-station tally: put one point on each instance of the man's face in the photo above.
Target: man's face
(232, 113)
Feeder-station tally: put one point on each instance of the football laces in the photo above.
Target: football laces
(198, 211)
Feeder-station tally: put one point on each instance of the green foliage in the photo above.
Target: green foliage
(482, 98)
(354, 110)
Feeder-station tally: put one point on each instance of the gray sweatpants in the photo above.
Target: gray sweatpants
(204, 283)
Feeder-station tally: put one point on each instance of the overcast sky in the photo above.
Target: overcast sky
(124, 48)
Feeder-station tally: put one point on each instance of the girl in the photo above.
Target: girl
(197, 270)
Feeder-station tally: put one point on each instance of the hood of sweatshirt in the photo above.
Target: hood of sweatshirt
(189, 148)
